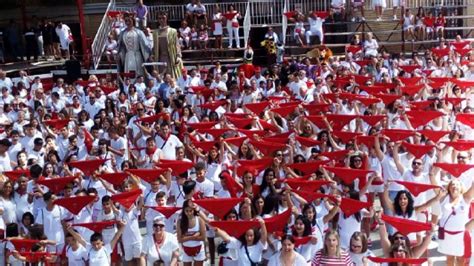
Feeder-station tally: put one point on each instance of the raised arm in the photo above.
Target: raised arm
(121, 227)
(378, 152)
(396, 158)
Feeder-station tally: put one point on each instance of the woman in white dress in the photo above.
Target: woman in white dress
(370, 46)
(454, 217)
(299, 31)
(409, 24)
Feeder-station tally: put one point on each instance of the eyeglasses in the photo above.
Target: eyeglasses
(158, 225)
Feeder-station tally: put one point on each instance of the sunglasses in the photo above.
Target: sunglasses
(140, 109)
(416, 163)
(461, 157)
(158, 225)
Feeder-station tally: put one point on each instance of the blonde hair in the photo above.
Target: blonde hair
(326, 237)
(451, 183)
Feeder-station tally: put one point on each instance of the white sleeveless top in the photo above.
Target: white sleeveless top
(454, 217)
(192, 231)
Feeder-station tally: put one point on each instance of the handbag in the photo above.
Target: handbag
(251, 261)
(222, 248)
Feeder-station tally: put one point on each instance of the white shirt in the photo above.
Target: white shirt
(99, 257)
(168, 146)
(51, 221)
(299, 260)
(165, 253)
(255, 252)
(77, 257)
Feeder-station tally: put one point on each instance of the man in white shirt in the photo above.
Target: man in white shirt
(315, 28)
(118, 146)
(167, 142)
(4, 156)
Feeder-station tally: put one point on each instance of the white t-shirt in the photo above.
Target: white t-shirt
(77, 257)
(168, 147)
(99, 257)
(275, 260)
(390, 172)
(165, 253)
(51, 221)
(255, 252)
(119, 144)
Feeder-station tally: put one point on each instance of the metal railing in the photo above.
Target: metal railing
(98, 45)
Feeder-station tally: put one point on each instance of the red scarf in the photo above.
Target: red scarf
(150, 151)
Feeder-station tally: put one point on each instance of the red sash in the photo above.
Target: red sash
(192, 251)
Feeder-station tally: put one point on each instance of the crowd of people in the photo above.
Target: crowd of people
(297, 162)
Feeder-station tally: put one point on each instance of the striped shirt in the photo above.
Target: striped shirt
(321, 260)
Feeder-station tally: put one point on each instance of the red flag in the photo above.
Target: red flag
(115, 179)
(15, 174)
(153, 118)
(148, 175)
(205, 146)
(339, 121)
(467, 119)
(405, 226)
(213, 105)
(268, 126)
(219, 207)
(290, 14)
(463, 84)
(440, 52)
(412, 89)
(372, 120)
(88, 140)
(351, 206)
(353, 48)
(460, 145)
(302, 240)
(35, 257)
(321, 14)
(397, 134)
(57, 123)
(232, 185)
(433, 135)
(410, 81)
(316, 108)
(267, 147)
(306, 185)
(420, 105)
(454, 169)
(127, 199)
(317, 120)
(56, 185)
(178, 167)
(367, 101)
(257, 108)
(284, 111)
(96, 226)
(236, 141)
(23, 244)
(421, 118)
(88, 167)
(345, 136)
(276, 140)
(409, 261)
(166, 211)
(440, 80)
(417, 150)
(335, 155)
(230, 15)
(307, 167)
(348, 175)
(277, 222)
(387, 98)
(75, 204)
(240, 122)
(362, 80)
(235, 228)
(253, 166)
(312, 196)
(374, 90)
(308, 142)
(202, 125)
(454, 100)
(409, 68)
(460, 45)
(416, 188)
(366, 140)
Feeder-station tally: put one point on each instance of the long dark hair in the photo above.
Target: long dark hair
(307, 226)
(184, 221)
(265, 184)
(306, 207)
(410, 205)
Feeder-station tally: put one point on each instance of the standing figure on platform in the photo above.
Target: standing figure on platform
(132, 47)
(166, 48)
(232, 17)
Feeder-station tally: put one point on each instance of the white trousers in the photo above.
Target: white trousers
(233, 33)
